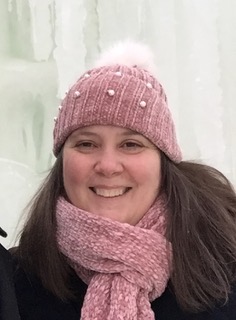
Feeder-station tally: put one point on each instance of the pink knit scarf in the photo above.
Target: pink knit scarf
(124, 266)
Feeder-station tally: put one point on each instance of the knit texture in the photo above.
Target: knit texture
(124, 266)
(122, 96)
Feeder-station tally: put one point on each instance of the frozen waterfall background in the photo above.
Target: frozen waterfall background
(46, 44)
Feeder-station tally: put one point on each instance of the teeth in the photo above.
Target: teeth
(109, 193)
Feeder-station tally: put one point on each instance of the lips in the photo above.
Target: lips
(110, 192)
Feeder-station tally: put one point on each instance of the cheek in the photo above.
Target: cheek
(154, 180)
(149, 167)
(150, 175)
(71, 171)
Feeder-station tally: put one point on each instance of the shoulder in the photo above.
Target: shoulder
(8, 303)
(5, 257)
(166, 307)
(37, 303)
(229, 309)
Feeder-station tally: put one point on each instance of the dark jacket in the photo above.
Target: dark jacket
(8, 303)
(36, 303)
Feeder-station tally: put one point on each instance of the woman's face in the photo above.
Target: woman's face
(111, 171)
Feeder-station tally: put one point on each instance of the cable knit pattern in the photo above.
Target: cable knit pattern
(124, 266)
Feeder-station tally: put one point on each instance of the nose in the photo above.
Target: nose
(108, 163)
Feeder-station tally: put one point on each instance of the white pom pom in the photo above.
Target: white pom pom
(128, 53)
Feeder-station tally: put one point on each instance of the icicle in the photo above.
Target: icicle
(70, 49)
(41, 28)
(10, 5)
(200, 82)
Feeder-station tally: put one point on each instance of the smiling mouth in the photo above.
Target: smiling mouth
(110, 193)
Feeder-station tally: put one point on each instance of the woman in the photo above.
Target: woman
(122, 228)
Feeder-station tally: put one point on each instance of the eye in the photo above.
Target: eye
(132, 146)
(85, 146)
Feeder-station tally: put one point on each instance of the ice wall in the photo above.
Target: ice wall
(46, 44)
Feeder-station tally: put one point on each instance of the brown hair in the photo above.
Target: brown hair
(37, 251)
(202, 230)
(201, 227)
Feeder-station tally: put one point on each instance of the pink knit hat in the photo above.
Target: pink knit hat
(119, 92)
